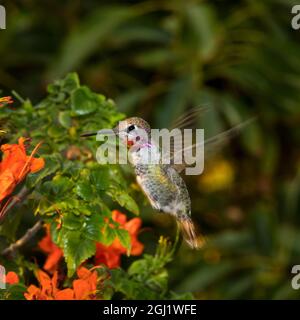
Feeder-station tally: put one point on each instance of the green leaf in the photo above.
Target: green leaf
(84, 101)
(70, 82)
(138, 267)
(52, 164)
(65, 119)
(58, 186)
(109, 235)
(124, 200)
(84, 190)
(77, 248)
(92, 226)
(159, 280)
(55, 132)
(71, 222)
(78, 238)
(100, 178)
(124, 238)
(13, 292)
(131, 288)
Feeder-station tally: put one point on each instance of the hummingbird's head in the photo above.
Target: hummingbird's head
(131, 130)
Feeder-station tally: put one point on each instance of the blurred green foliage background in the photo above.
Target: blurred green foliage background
(157, 59)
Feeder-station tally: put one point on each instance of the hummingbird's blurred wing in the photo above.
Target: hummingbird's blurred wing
(211, 145)
(189, 118)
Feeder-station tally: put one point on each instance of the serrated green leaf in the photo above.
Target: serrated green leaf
(84, 190)
(78, 237)
(92, 226)
(108, 235)
(124, 200)
(77, 248)
(71, 221)
(58, 186)
(100, 178)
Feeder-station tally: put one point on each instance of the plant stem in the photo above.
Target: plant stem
(11, 202)
(27, 236)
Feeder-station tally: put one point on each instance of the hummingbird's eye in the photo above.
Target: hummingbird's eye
(130, 128)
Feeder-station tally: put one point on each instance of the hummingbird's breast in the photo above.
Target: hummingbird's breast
(145, 154)
(161, 183)
(164, 188)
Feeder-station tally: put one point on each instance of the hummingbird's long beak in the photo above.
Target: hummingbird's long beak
(104, 131)
(88, 134)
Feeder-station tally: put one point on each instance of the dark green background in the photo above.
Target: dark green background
(159, 58)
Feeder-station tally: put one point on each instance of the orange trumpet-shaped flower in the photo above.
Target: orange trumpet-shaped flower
(54, 252)
(111, 255)
(16, 165)
(48, 289)
(5, 100)
(84, 288)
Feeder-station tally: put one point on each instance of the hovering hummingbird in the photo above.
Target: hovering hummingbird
(161, 183)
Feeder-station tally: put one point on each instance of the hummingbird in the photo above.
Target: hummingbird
(161, 183)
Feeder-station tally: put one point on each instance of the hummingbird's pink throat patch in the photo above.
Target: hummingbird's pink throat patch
(137, 140)
(147, 144)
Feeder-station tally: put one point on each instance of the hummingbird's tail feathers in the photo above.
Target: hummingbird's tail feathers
(188, 230)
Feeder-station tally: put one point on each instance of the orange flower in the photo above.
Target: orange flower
(84, 288)
(5, 100)
(53, 251)
(12, 278)
(108, 255)
(16, 165)
(48, 289)
(111, 255)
